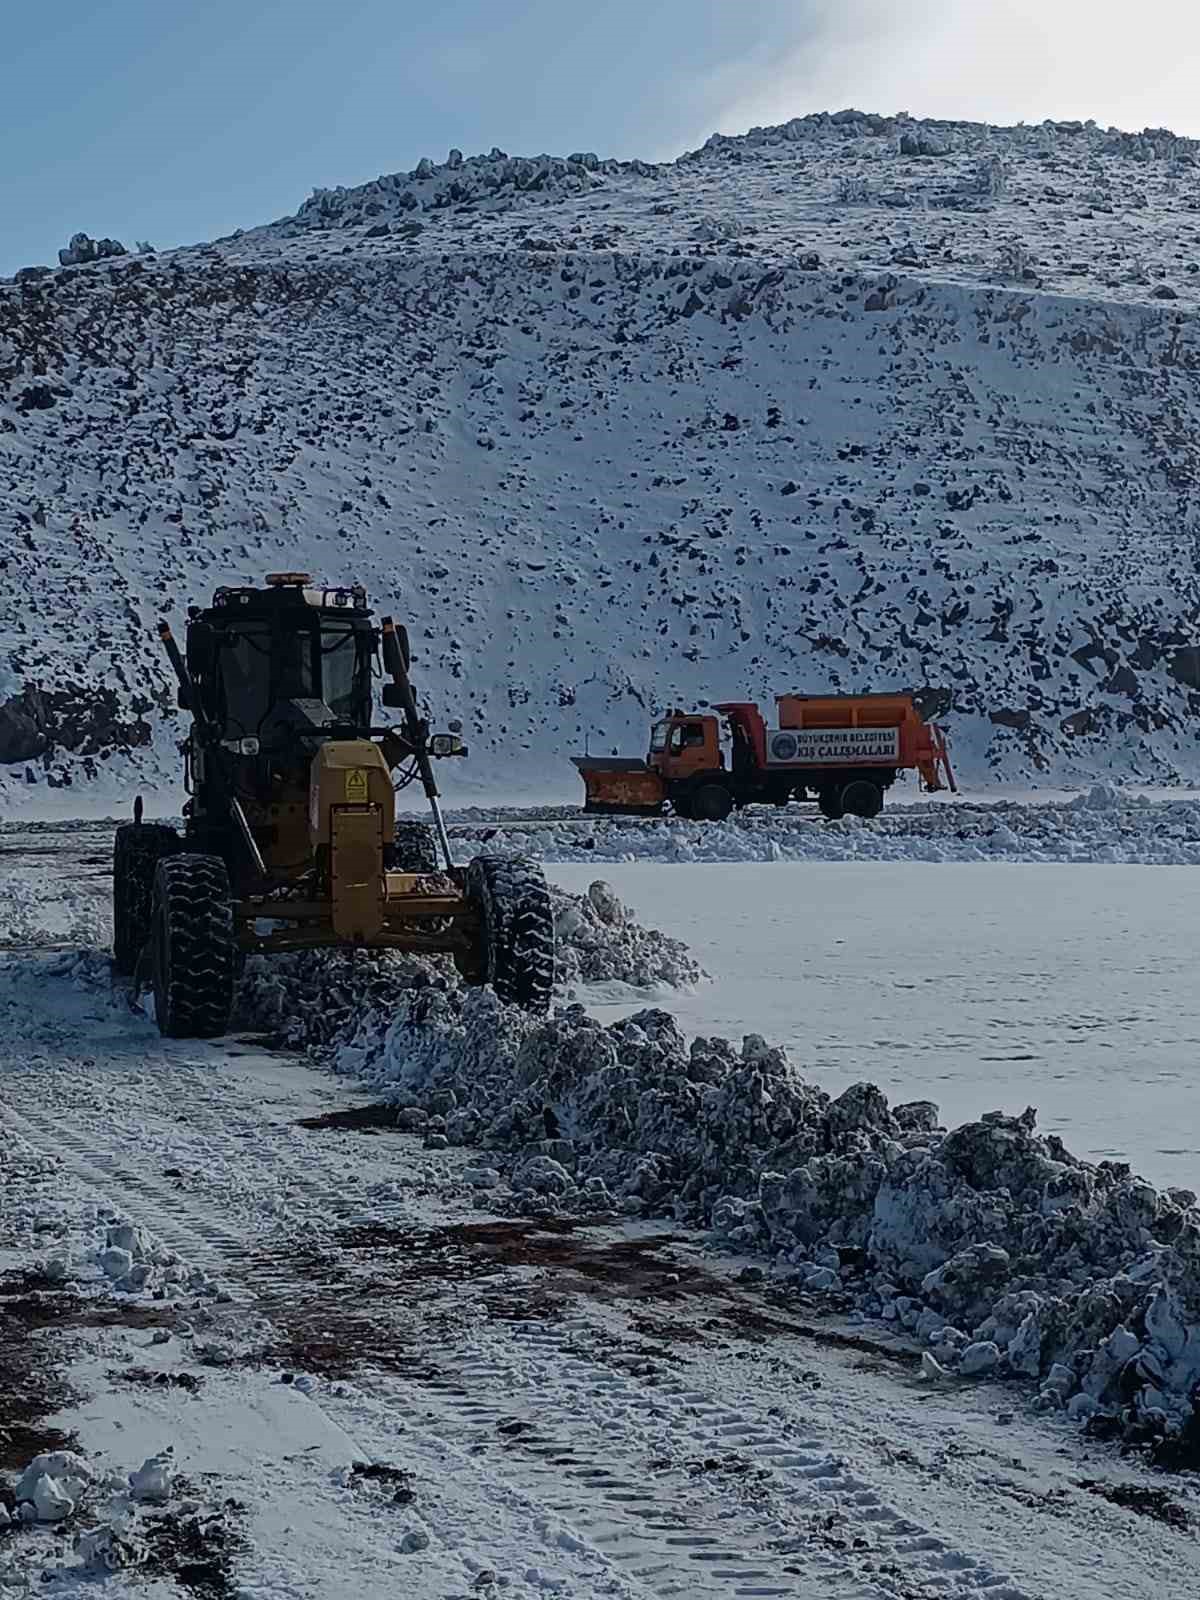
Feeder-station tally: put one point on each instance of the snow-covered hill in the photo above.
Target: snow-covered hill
(850, 403)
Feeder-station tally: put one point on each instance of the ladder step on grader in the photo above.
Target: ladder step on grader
(291, 839)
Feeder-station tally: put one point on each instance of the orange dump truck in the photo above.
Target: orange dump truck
(844, 751)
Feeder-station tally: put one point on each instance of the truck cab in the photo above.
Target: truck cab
(681, 746)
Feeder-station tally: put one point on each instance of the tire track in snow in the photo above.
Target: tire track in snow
(592, 1442)
(605, 1461)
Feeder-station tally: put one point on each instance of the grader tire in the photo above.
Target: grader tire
(517, 929)
(414, 849)
(137, 850)
(194, 947)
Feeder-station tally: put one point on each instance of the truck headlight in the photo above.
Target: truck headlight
(446, 744)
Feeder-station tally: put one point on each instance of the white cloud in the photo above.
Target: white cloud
(991, 60)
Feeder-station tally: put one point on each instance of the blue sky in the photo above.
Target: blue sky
(179, 120)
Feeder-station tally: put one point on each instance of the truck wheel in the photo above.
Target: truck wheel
(137, 850)
(194, 946)
(517, 929)
(830, 802)
(414, 849)
(682, 807)
(711, 802)
(862, 798)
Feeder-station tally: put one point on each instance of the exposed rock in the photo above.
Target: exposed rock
(916, 1116)
(83, 719)
(20, 737)
(978, 1358)
(83, 250)
(923, 144)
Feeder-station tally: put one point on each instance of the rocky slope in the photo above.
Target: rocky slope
(853, 403)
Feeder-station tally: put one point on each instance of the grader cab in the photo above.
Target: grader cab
(291, 839)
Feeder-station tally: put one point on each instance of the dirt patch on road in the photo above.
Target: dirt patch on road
(197, 1550)
(358, 1119)
(383, 1294)
(36, 1316)
(1144, 1499)
(149, 1378)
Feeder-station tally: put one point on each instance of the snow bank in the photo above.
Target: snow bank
(320, 997)
(993, 1245)
(600, 943)
(1102, 825)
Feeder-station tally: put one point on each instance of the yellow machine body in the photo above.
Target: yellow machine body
(349, 774)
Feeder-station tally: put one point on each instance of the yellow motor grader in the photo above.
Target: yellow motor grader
(291, 839)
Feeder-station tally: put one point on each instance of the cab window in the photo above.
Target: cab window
(687, 735)
(658, 737)
(346, 673)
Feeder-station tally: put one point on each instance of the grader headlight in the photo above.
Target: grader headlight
(446, 744)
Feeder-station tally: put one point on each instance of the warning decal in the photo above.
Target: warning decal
(356, 786)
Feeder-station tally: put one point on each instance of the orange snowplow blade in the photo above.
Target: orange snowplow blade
(614, 784)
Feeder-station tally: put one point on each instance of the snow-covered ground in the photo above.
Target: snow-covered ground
(1101, 825)
(980, 956)
(370, 1381)
(407, 1355)
(977, 987)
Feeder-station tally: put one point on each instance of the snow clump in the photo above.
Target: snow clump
(324, 998)
(1103, 824)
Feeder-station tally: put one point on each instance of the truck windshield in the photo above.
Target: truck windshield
(658, 737)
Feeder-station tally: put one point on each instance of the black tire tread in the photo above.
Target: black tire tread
(862, 797)
(195, 947)
(137, 849)
(710, 802)
(513, 900)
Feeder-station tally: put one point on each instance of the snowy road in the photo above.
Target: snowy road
(567, 1410)
(1072, 989)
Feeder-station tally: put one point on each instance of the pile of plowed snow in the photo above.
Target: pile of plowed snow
(994, 1246)
(320, 997)
(1102, 825)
